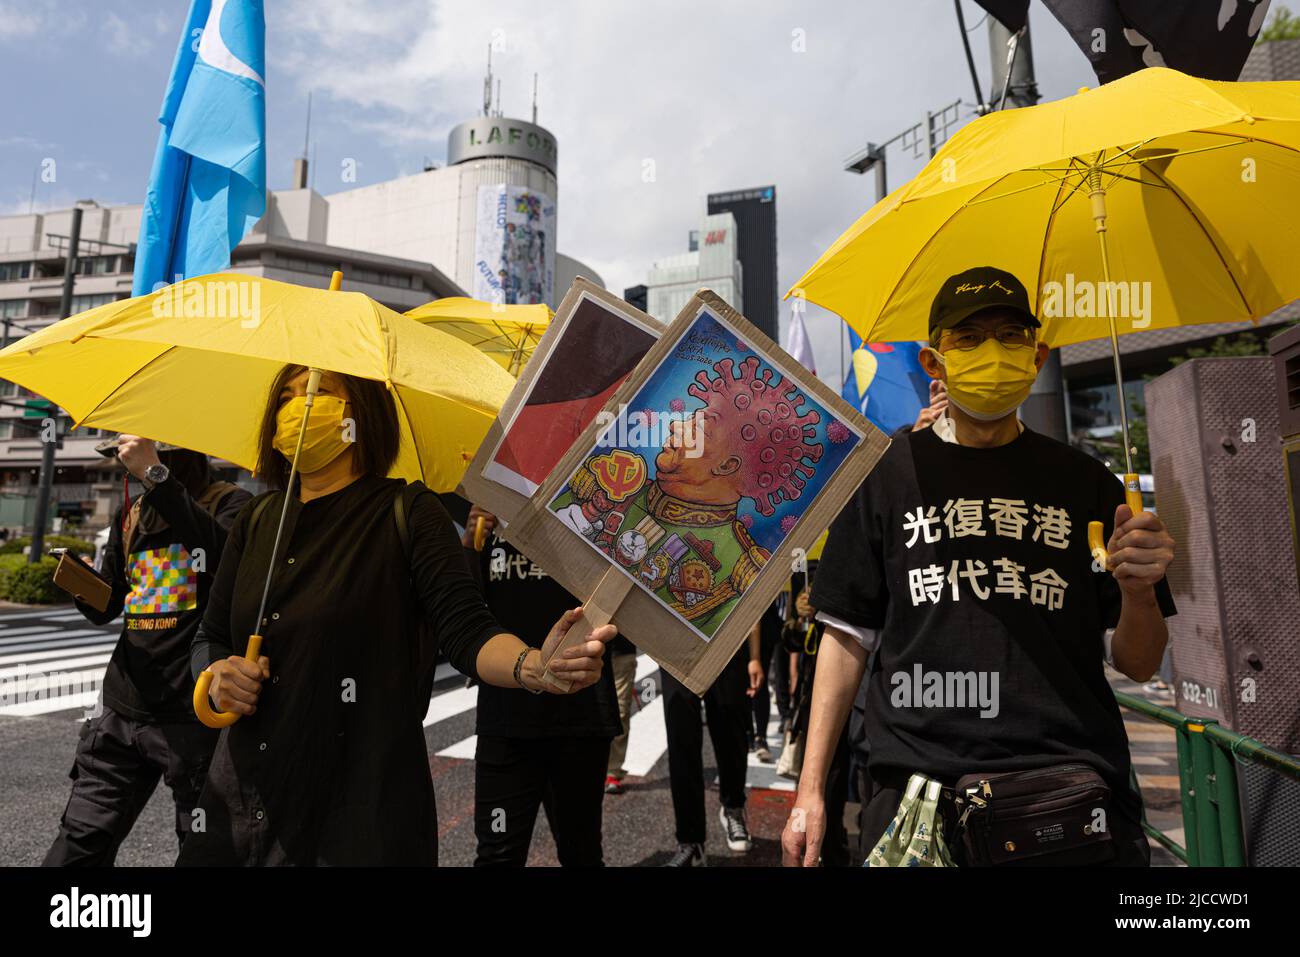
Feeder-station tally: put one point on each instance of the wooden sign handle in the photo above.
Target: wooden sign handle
(598, 610)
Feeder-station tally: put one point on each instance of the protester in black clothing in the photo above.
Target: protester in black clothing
(964, 554)
(328, 763)
(802, 634)
(623, 658)
(144, 726)
(536, 751)
(769, 635)
(727, 709)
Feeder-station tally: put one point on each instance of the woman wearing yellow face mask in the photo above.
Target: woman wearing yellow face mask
(327, 764)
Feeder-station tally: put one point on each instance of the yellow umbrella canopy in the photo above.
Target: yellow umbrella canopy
(1157, 200)
(1200, 186)
(193, 363)
(506, 334)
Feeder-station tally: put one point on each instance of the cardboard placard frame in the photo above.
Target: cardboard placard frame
(612, 594)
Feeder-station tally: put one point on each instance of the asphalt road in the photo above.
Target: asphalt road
(38, 739)
(38, 736)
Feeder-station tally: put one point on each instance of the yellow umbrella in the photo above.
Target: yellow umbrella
(192, 365)
(1185, 189)
(507, 334)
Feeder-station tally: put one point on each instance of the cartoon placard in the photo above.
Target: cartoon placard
(704, 472)
(680, 511)
(591, 345)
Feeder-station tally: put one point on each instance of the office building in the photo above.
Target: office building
(713, 264)
(755, 213)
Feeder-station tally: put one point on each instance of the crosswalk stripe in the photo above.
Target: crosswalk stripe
(69, 702)
(74, 638)
(35, 634)
(61, 658)
(52, 649)
(80, 688)
(63, 615)
(647, 738)
(450, 703)
(71, 615)
(13, 634)
(465, 749)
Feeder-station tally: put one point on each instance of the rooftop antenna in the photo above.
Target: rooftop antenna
(300, 165)
(487, 86)
(534, 99)
(499, 113)
(306, 139)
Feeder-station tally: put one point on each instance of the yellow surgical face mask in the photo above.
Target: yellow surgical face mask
(989, 381)
(323, 441)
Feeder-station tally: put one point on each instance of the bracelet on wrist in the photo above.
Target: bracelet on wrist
(519, 671)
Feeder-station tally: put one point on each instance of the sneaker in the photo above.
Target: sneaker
(733, 823)
(762, 753)
(614, 785)
(688, 855)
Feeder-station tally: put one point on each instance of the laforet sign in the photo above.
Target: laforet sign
(488, 136)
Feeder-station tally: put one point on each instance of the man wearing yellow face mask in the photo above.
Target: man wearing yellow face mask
(963, 564)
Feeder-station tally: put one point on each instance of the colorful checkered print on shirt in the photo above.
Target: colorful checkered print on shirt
(162, 580)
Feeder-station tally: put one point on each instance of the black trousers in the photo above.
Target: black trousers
(118, 763)
(778, 668)
(513, 777)
(727, 708)
(762, 701)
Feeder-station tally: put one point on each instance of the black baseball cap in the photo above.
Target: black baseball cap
(972, 291)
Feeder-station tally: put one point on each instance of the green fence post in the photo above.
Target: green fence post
(1225, 791)
(1186, 794)
(1207, 810)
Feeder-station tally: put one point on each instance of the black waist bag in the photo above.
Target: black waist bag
(1057, 817)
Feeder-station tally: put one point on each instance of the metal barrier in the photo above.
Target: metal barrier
(1207, 784)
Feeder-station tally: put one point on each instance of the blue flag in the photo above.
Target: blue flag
(886, 383)
(208, 184)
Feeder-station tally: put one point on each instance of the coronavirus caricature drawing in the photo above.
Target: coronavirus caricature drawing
(692, 497)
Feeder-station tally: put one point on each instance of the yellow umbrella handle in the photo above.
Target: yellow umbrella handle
(1133, 496)
(203, 708)
(480, 534)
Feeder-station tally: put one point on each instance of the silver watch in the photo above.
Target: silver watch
(157, 473)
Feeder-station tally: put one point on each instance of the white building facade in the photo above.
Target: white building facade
(713, 264)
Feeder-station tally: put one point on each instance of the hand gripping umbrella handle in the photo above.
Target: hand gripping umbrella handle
(1096, 539)
(203, 708)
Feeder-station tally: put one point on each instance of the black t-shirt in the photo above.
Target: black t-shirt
(160, 590)
(527, 602)
(973, 564)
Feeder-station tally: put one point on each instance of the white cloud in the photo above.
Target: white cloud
(714, 93)
(17, 21)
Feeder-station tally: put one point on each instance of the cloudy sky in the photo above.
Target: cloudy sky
(715, 94)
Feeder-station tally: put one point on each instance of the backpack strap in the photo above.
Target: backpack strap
(403, 502)
(128, 532)
(213, 494)
(258, 508)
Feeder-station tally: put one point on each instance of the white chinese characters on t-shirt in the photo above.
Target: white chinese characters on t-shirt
(1006, 518)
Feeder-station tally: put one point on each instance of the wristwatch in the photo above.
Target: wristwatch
(156, 474)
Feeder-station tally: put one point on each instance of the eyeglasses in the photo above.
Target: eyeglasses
(1010, 337)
